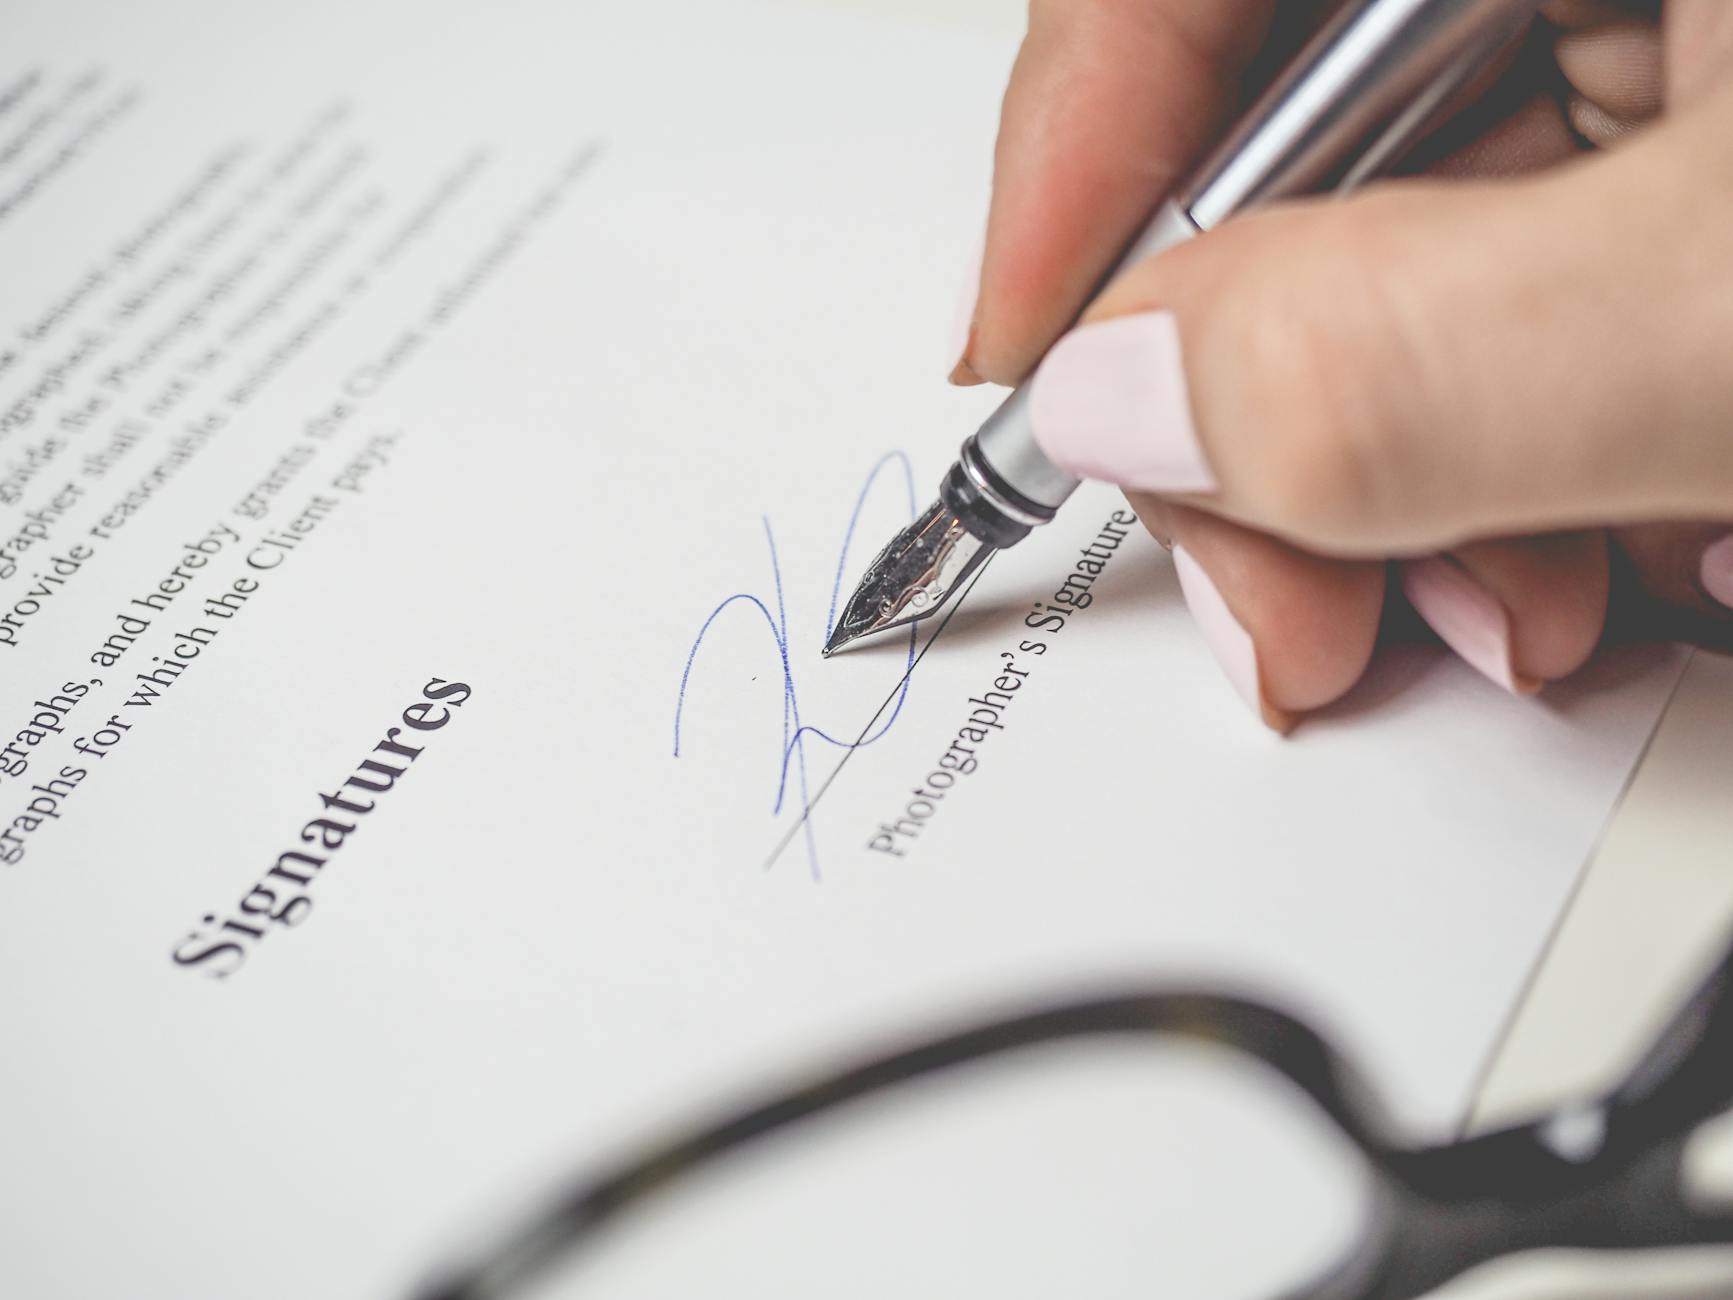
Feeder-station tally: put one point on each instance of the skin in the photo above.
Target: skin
(1518, 358)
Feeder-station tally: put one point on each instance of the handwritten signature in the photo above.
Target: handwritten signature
(796, 734)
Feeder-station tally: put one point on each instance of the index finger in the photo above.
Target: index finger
(1109, 102)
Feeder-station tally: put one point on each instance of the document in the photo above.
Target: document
(434, 445)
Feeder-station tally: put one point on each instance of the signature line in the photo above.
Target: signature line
(896, 696)
(795, 733)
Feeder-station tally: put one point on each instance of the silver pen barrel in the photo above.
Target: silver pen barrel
(1352, 102)
(1345, 109)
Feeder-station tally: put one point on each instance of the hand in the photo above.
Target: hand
(1504, 387)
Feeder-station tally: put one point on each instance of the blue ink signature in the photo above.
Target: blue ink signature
(795, 733)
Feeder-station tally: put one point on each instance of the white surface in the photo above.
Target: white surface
(1654, 911)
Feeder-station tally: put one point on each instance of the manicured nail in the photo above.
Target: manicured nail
(1716, 570)
(963, 324)
(963, 374)
(1467, 617)
(1155, 517)
(1110, 402)
(1231, 643)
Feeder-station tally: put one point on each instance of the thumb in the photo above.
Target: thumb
(1429, 361)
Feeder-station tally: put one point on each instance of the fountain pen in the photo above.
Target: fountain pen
(1348, 106)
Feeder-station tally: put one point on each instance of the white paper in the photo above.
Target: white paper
(593, 318)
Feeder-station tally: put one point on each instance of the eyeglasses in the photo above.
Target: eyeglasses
(1608, 1174)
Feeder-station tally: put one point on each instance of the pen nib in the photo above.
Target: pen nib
(911, 578)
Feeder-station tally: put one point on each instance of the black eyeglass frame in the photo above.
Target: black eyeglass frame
(1618, 1184)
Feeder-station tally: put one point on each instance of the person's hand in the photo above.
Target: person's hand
(1504, 388)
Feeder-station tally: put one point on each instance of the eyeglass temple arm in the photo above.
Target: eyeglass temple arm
(1604, 1176)
(1272, 1036)
(1444, 1210)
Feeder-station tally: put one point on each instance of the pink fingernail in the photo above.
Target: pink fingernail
(1231, 644)
(1467, 617)
(963, 323)
(1716, 570)
(1110, 402)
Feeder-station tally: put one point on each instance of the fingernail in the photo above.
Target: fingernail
(1110, 402)
(1716, 570)
(963, 374)
(963, 323)
(1231, 643)
(1155, 517)
(1467, 617)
